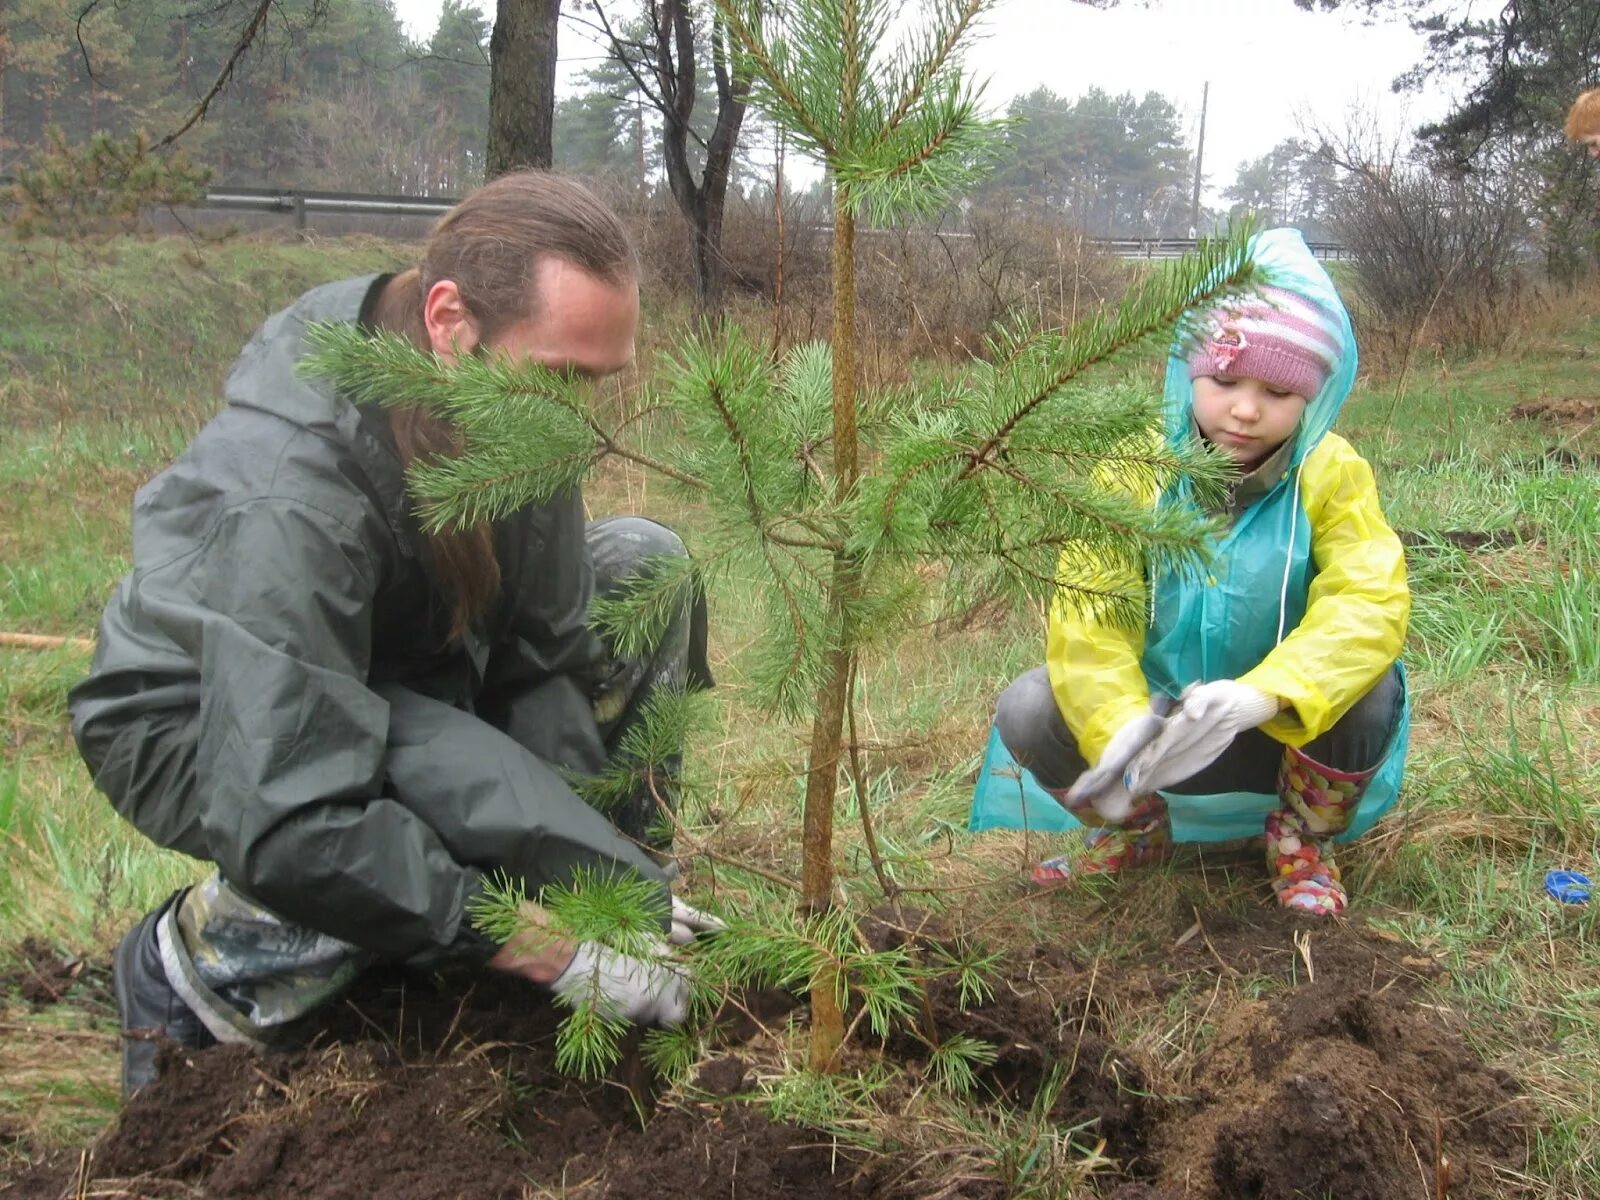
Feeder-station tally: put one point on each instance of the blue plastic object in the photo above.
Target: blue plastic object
(1569, 887)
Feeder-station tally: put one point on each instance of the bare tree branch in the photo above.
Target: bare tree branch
(257, 20)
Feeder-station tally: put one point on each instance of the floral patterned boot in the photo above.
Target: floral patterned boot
(1143, 839)
(1318, 803)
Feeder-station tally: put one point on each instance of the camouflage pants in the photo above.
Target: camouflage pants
(246, 972)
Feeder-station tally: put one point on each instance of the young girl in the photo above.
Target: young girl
(1263, 697)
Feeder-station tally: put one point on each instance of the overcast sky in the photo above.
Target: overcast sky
(1268, 63)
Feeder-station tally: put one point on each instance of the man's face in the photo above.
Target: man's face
(584, 326)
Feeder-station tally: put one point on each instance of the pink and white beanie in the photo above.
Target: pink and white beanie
(1272, 334)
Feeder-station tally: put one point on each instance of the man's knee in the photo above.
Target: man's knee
(624, 545)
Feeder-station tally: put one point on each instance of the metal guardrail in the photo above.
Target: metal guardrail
(1154, 248)
(297, 203)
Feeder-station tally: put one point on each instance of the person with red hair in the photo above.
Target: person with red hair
(1583, 121)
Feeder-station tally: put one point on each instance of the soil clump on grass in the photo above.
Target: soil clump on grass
(1345, 1083)
(1566, 413)
(1470, 539)
(1251, 1057)
(44, 977)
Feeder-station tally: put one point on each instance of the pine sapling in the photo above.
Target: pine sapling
(858, 509)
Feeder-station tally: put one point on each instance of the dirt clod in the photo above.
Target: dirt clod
(45, 977)
(1566, 413)
(722, 1076)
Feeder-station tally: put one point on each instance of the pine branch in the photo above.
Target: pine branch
(858, 779)
(932, 63)
(916, 168)
(246, 37)
(527, 432)
(767, 70)
(1218, 269)
(794, 674)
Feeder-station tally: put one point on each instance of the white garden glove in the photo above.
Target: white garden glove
(1102, 784)
(645, 991)
(689, 922)
(1208, 717)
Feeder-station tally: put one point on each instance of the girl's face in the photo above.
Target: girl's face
(1245, 417)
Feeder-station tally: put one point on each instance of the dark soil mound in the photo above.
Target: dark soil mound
(425, 1089)
(44, 977)
(1323, 1071)
(1352, 1094)
(1567, 413)
(1344, 1084)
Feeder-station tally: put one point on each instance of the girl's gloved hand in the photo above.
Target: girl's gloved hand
(645, 991)
(1208, 717)
(1102, 785)
(688, 922)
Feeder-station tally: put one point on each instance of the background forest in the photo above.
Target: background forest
(334, 94)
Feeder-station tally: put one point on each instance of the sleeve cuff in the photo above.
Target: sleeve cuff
(469, 947)
(1297, 724)
(1103, 725)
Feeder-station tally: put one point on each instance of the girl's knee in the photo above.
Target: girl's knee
(1023, 710)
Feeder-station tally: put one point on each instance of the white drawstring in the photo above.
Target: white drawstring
(1288, 556)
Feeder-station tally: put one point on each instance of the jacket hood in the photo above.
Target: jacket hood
(264, 376)
(1283, 260)
(265, 379)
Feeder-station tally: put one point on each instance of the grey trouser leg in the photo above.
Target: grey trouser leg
(1033, 730)
(623, 548)
(245, 971)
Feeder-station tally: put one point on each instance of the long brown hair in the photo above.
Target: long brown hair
(490, 245)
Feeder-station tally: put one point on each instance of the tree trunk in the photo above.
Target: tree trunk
(827, 730)
(706, 249)
(777, 274)
(701, 201)
(522, 85)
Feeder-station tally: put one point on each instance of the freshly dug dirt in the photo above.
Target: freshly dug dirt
(1356, 1094)
(1345, 1083)
(1471, 539)
(1322, 1065)
(1563, 413)
(44, 977)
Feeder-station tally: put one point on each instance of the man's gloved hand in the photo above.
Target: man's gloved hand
(1102, 786)
(645, 991)
(689, 922)
(1208, 717)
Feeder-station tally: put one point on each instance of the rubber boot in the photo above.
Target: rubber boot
(149, 1007)
(1318, 804)
(1142, 839)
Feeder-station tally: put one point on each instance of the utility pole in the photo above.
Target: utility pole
(1199, 159)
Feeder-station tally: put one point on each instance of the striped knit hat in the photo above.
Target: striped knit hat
(1274, 335)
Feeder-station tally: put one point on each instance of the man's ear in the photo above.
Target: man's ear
(451, 330)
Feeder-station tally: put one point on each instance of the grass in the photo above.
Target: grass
(122, 358)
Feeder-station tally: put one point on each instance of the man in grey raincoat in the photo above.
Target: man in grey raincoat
(357, 722)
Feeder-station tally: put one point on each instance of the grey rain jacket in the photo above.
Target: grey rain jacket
(272, 691)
